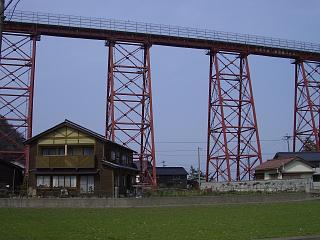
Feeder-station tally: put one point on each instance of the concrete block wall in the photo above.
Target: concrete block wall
(152, 201)
(288, 185)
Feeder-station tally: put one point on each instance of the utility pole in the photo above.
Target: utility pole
(287, 138)
(199, 172)
(1, 22)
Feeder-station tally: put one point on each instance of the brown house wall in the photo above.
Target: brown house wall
(32, 182)
(99, 154)
(114, 147)
(104, 179)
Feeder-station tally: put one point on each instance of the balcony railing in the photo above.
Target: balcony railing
(65, 162)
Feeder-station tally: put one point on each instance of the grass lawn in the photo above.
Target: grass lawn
(251, 221)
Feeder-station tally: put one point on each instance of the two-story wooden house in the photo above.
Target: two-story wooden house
(69, 159)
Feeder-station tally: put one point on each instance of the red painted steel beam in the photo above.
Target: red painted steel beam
(110, 35)
(307, 105)
(233, 145)
(17, 75)
(130, 121)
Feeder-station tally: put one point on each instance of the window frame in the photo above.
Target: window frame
(71, 179)
(58, 150)
(80, 150)
(124, 159)
(41, 179)
(88, 183)
(113, 155)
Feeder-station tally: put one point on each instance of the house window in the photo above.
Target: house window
(113, 155)
(60, 181)
(73, 180)
(81, 151)
(53, 151)
(64, 181)
(124, 159)
(88, 151)
(43, 181)
(124, 181)
(70, 181)
(74, 151)
(55, 181)
(87, 184)
(117, 157)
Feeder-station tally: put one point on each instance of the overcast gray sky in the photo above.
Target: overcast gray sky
(71, 73)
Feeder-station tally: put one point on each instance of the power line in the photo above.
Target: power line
(5, 8)
(186, 142)
(203, 155)
(179, 150)
(13, 9)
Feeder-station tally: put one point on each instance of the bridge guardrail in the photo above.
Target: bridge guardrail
(158, 29)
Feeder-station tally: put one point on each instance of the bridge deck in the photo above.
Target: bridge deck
(109, 29)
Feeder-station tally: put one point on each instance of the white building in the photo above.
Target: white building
(284, 168)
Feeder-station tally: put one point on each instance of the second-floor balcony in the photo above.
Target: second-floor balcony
(65, 162)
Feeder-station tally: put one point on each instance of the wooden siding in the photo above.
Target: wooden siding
(106, 182)
(65, 162)
(109, 147)
(104, 179)
(66, 135)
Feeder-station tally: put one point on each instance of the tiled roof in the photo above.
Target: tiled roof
(115, 165)
(274, 163)
(307, 156)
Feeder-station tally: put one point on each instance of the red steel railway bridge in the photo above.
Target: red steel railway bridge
(233, 145)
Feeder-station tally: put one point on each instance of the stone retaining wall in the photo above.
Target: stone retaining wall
(288, 185)
(150, 202)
